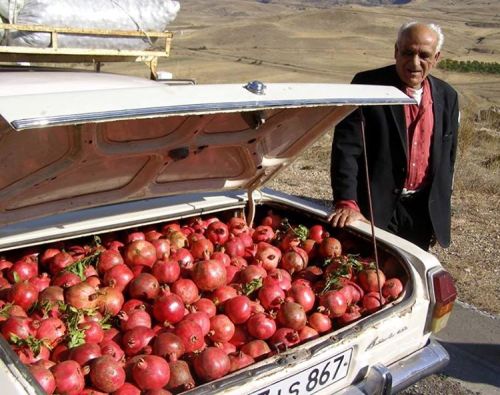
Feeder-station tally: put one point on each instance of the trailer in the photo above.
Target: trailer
(95, 56)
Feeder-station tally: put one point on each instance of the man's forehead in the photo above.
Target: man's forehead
(419, 34)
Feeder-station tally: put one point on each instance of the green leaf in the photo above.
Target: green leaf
(252, 286)
(5, 310)
(79, 266)
(16, 277)
(301, 232)
(76, 338)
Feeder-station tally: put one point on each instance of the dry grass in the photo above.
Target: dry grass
(478, 158)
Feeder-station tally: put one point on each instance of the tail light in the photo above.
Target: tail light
(445, 295)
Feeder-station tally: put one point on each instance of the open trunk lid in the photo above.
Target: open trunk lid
(78, 140)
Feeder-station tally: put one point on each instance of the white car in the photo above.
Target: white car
(89, 153)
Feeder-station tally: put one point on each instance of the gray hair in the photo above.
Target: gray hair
(434, 27)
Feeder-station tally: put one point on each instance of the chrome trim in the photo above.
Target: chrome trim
(39, 122)
(386, 380)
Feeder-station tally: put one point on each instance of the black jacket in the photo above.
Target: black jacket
(386, 151)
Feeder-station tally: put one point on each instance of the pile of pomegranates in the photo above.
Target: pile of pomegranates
(164, 308)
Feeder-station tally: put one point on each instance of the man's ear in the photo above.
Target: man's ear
(395, 50)
(437, 57)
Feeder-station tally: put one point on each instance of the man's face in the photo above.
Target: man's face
(416, 55)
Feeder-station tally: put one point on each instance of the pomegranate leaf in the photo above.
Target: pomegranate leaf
(79, 266)
(252, 286)
(5, 310)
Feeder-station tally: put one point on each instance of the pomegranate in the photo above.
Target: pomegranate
(180, 377)
(119, 276)
(22, 270)
(240, 336)
(221, 328)
(110, 300)
(93, 331)
(239, 360)
(303, 295)
(320, 322)
(292, 315)
(151, 372)
(272, 220)
(284, 338)
(24, 294)
(186, 289)
(261, 326)
(294, 260)
(144, 286)
(201, 318)
(168, 309)
(206, 305)
(234, 246)
(317, 233)
(68, 377)
(329, 248)
(267, 255)
(217, 232)
(106, 374)
(161, 245)
(201, 248)
(140, 252)
(211, 364)
(372, 301)
(238, 309)
(134, 318)
(334, 303)
(166, 271)
(278, 277)
(367, 278)
(209, 274)
(22, 327)
(257, 349)
(127, 389)
(51, 330)
(271, 296)
(108, 259)
(191, 335)
(60, 261)
(111, 348)
(222, 294)
(81, 296)
(392, 288)
(44, 377)
(308, 333)
(85, 353)
(169, 346)
(136, 340)
(263, 233)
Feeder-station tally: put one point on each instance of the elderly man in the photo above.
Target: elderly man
(410, 149)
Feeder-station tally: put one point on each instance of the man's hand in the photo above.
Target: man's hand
(343, 216)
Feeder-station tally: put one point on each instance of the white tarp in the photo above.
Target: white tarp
(135, 15)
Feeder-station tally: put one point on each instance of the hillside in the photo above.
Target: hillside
(320, 41)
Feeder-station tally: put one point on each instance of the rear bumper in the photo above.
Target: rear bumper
(382, 379)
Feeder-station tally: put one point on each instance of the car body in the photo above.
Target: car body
(89, 153)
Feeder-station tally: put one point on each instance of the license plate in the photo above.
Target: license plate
(312, 379)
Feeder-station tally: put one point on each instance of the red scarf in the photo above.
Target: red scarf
(419, 130)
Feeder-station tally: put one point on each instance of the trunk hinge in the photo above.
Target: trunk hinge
(251, 208)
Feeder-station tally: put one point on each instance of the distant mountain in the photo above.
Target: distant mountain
(329, 3)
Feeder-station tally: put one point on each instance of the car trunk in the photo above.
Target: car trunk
(83, 159)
